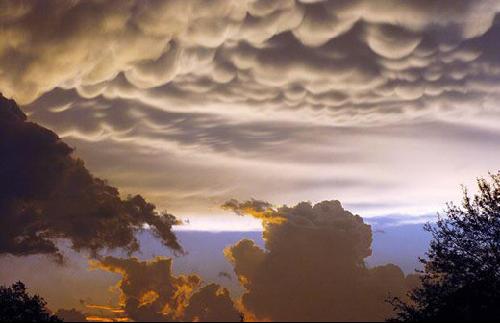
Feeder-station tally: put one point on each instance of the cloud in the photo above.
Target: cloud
(259, 209)
(282, 94)
(312, 268)
(192, 161)
(71, 315)
(150, 292)
(333, 56)
(46, 194)
(238, 85)
(128, 120)
(211, 303)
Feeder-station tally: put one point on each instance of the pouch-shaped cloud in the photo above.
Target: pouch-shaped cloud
(312, 268)
(150, 292)
(46, 194)
(391, 42)
(319, 55)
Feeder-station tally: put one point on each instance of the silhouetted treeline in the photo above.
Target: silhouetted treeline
(16, 305)
(461, 277)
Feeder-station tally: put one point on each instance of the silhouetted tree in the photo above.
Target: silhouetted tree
(461, 276)
(17, 306)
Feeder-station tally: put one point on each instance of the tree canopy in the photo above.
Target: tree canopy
(461, 276)
(16, 305)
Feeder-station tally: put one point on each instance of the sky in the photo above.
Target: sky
(386, 106)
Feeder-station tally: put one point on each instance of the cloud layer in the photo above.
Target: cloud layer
(230, 90)
(46, 194)
(312, 268)
(347, 57)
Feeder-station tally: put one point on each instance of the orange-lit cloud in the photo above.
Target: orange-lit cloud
(105, 313)
(313, 269)
(94, 318)
(117, 310)
(258, 209)
(150, 292)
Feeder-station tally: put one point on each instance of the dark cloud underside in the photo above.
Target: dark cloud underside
(46, 194)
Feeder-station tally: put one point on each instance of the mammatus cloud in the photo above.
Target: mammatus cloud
(46, 194)
(226, 84)
(150, 292)
(312, 268)
(374, 60)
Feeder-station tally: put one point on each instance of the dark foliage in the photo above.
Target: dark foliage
(461, 277)
(17, 306)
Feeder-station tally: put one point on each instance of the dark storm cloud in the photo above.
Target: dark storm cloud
(312, 268)
(150, 292)
(46, 194)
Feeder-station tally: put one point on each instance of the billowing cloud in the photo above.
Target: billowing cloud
(312, 268)
(46, 194)
(150, 292)
(211, 303)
